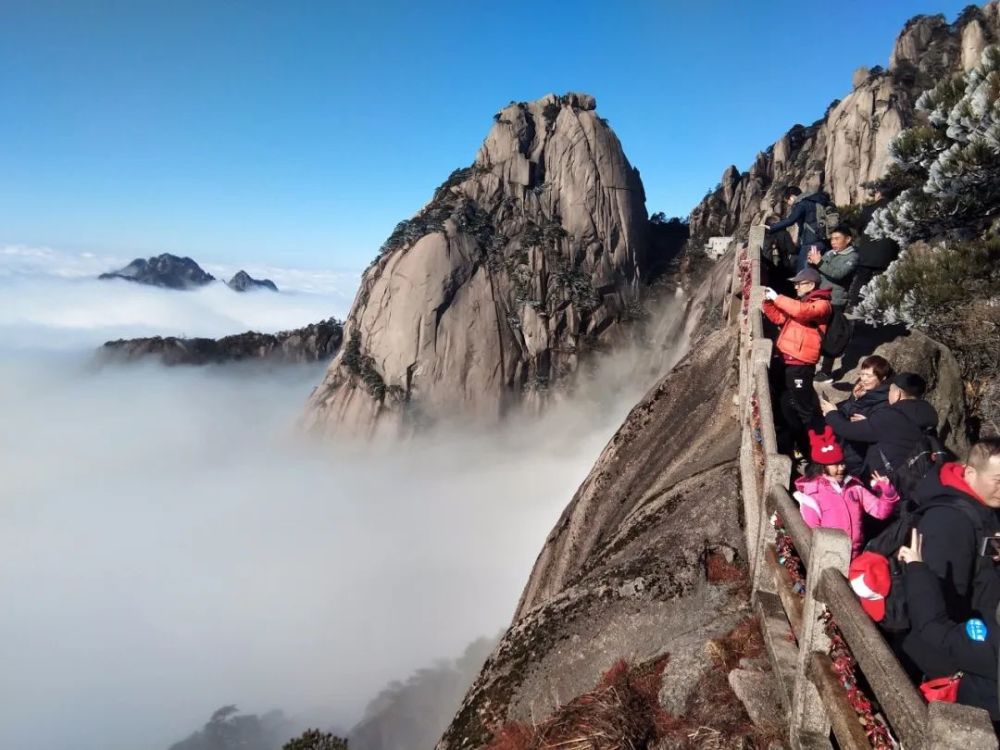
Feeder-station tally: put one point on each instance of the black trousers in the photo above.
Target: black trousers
(827, 364)
(799, 404)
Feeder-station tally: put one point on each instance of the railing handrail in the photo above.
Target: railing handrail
(825, 555)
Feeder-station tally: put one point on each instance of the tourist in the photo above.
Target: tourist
(831, 498)
(803, 322)
(870, 393)
(836, 268)
(968, 646)
(804, 215)
(890, 434)
(779, 249)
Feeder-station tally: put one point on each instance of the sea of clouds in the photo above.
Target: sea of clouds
(169, 542)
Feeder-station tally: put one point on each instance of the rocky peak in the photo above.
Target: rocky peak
(244, 282)
(915, 40)
(490, 296)
(849, 145)
(164, 270)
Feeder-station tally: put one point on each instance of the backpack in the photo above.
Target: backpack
(887, 544)
(928, 453)
(827, 217)
(838, 334)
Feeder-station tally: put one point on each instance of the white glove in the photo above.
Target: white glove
(770, 294)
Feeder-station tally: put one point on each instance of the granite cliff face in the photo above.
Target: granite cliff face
(646, 561)
(850, 144)
(498, 288)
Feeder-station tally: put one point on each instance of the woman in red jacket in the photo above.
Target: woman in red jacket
(803, 322)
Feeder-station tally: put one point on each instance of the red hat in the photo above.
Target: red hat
(824, 447)
(871, 580)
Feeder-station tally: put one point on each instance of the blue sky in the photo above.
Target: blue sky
(299, 133)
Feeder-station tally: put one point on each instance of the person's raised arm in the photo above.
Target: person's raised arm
(797, 213)
(880, 502)
(929, 616)
(845, 428)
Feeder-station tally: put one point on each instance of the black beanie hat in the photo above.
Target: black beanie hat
(911, 384)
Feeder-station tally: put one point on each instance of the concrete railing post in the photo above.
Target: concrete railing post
(951, 726)
(808, 720)
(756, 241)
(777, 473)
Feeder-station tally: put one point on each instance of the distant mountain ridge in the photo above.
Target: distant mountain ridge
(316, 342)
(173, 272)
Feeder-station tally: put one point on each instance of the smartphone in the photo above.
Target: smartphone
(990, 547)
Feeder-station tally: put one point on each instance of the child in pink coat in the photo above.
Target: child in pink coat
(829, 498)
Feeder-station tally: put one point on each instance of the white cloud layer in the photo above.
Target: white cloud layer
(170, 544)
(53, 298)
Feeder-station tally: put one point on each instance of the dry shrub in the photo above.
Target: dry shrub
(719, 570)
(714, 718)
(621, 713)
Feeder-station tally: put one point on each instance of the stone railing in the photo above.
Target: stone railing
(797, 617)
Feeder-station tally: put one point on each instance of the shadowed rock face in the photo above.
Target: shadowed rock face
(244, 282)
(163, 270)
(850, 144)
(517, 267)
(316, 342)
(623, 573)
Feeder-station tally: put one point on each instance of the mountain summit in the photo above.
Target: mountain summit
(494, 291)
(164, 270)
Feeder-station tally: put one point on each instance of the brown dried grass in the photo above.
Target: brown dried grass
(623, 711)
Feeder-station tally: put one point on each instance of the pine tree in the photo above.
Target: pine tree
(313, 739)
(950, 166)
(946, 281)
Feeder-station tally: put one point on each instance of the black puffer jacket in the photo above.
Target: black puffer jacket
(890, 433)
(872, 401)
(953, 531)
(954, 650)
(953, 524)
(875, 399)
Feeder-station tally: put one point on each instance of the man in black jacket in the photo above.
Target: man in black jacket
(958, 523)
(890, 433)
(803, 214)
(971, 650)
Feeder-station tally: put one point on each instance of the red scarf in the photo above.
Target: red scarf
(953, 475)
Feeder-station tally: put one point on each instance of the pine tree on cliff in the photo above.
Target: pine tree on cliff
(950, 166)
(947, 277)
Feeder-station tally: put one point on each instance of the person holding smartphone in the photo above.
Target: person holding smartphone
(972, 647)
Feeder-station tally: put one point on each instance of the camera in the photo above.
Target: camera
(990, 546)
